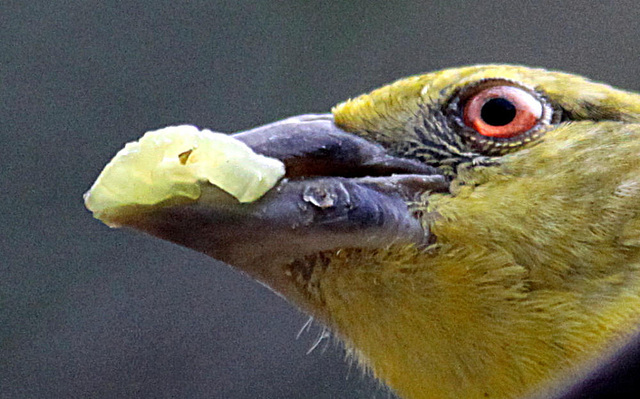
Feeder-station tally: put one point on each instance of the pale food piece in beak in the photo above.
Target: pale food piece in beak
(174, 162)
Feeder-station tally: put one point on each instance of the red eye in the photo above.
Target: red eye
(502, 112)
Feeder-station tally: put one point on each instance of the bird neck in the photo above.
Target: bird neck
(467, 330)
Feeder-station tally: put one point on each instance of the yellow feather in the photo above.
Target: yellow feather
(534, 274)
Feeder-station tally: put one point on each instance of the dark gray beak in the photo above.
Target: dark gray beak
(339, 191)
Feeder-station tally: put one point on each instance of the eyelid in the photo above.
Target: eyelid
(495, 145)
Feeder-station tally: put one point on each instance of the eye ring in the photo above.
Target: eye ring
(516, 115)
(502, 112)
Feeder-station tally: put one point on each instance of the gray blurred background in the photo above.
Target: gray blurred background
(89, 312)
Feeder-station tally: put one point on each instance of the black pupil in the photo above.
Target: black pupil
(498, 112)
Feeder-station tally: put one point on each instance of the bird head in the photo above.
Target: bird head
(472, 232)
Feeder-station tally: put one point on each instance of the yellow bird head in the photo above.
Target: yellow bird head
(468, 233)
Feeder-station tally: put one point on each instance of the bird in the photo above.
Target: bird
(472, 232)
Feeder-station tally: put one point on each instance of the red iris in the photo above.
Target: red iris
(502, 111)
